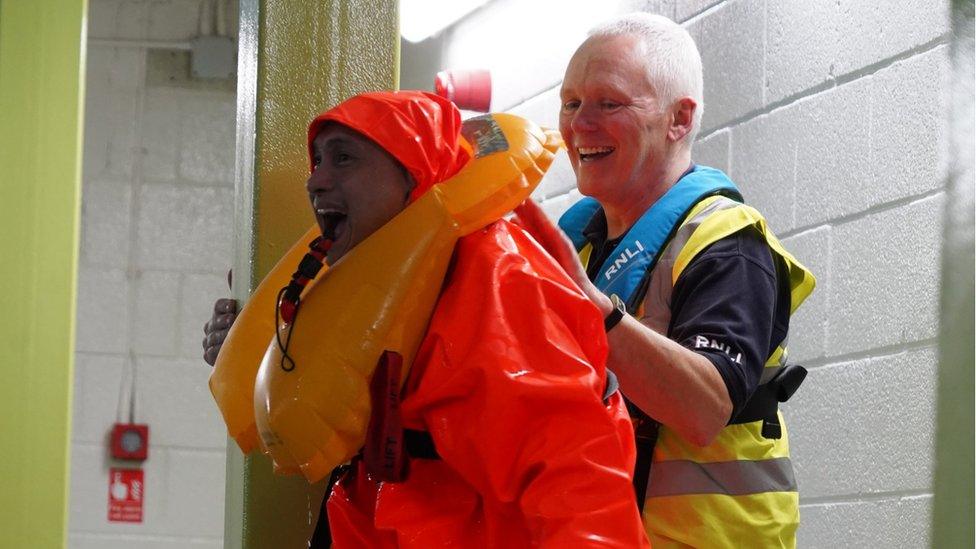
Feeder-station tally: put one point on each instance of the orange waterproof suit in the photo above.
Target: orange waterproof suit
(509, 383)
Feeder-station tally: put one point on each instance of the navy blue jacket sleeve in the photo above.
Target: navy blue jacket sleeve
(727, 306)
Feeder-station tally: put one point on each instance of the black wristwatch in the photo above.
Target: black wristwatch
(618, 312)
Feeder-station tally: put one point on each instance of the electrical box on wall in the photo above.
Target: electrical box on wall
(213, 57)
(130, 441)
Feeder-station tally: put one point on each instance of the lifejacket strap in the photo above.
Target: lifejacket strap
(383, 452)
(322, 535)
(764, 403)
(419, 444)
(646, 431)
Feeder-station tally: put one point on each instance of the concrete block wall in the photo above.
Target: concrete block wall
(830, 115)
(156, 243)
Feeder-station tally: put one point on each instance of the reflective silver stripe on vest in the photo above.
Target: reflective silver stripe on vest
(768, 373)
(657, 300)
(732, 478)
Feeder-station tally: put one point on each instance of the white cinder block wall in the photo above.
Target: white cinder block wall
(156, 243)
(830, 115)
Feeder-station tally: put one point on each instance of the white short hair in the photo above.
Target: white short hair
(670, 56)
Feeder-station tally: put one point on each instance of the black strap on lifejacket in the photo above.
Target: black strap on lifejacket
(764, 403)
(645, 437)
(322, 536)
(419, 444)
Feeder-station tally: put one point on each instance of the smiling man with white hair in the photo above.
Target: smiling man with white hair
(696, 291)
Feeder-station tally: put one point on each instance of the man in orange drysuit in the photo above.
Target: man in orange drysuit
(509, 381)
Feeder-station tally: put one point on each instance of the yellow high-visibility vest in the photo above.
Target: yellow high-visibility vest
(739, 491)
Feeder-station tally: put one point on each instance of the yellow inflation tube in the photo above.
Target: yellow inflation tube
(310, 410)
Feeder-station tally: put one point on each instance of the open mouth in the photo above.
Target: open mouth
(589, 154)
(332, 222)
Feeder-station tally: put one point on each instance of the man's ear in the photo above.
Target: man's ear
(682, 118)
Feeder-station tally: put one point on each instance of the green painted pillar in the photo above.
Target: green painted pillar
(953, 509)
(296, 59)
(41, 98)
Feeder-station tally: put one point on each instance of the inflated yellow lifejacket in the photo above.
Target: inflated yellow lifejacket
(312, 408)
(232, 379)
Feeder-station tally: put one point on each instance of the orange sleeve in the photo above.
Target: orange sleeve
(510, 387)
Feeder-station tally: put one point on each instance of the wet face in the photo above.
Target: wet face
(355, 187)
(612, 121)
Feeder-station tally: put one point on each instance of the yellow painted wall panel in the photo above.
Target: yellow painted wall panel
(41, 87)
(312, 56)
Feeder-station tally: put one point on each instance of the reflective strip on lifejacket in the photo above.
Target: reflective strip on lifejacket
(731, 478)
